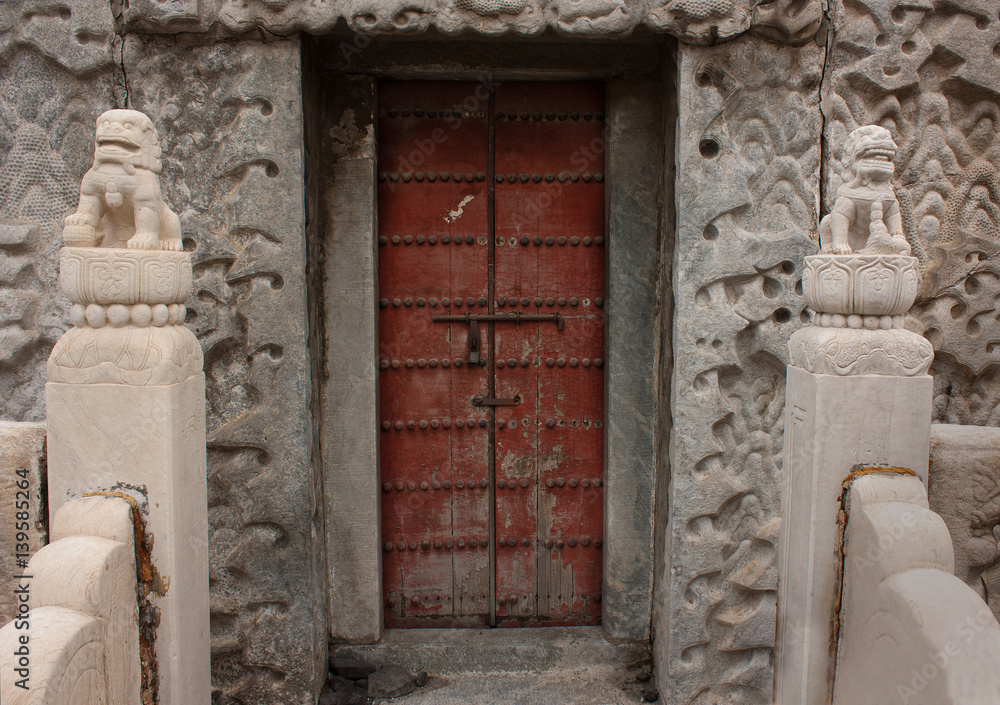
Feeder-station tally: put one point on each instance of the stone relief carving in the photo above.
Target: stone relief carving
(748, 175)
(964, 488)
(58, 73)
(693, 21)
(231, 122)
(787, 21)
(928, 73)
(120, 201)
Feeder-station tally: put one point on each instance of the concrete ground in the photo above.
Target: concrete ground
(594, 686)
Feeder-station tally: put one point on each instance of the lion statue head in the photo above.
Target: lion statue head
(868, 155)
(127, 138)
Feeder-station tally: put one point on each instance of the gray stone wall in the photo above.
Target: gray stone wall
(749, 136)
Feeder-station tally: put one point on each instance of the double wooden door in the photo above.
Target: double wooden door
(491, 338)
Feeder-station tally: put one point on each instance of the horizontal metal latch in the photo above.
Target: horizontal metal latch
(473, 320)
(487, 401)
(516, 318)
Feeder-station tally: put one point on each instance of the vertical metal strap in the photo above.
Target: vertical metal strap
(490, 295)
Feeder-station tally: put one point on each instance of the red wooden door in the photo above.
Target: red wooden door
(491, 281)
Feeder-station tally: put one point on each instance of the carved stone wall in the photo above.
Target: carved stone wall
(231, 119)
(693, 21)
(747, 179)
(930, 73)
(57, 74)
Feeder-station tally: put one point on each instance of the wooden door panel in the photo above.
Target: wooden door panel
(435, 455)
(549, 223)
(456, 475)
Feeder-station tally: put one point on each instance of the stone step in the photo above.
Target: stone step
(497, 651)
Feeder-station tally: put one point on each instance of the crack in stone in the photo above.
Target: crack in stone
(824, 78)
(120, 33)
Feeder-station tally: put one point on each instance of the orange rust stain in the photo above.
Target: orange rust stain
(149, 580)
(861, 471)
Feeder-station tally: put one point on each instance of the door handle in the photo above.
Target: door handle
(480, 400)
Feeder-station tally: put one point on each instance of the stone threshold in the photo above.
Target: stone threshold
(465, 651)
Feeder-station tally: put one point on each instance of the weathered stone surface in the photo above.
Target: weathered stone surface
(230, 118)
(964, 475)
(350, 669)
(747, 178)
(635, 362)
(57, 75)
(928, 72)
(694, 21)
(508, 651)
(343, 238)
(390, 682)
(22, 471)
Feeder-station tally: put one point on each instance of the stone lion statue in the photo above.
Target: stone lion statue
(120, 201)
(866, 216)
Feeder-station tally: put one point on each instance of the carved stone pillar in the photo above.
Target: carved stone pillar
(126, 414)
(858, 393)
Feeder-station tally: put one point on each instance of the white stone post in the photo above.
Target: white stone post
(858, 394)
(126, 392)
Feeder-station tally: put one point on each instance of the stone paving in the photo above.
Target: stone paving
(593, 686)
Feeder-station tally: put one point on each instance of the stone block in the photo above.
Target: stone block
(81, 636)
(964, 474)
(149, 443)
(390, 682)
(833, 425)
(350, 435)
(22, 506)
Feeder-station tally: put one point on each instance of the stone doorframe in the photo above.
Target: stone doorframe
(340, 75)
